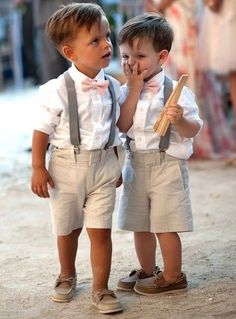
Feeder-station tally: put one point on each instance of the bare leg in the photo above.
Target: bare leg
(67, 248)
(232, 85)
(145, 245)
(100, 254)
(171, 250)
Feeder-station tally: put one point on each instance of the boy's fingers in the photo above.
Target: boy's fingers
(124, 66)
(38, 191)
(127, 69)
(50, 182)
(143, 74)
(41, 191)
(174, 110)
(44, 192)
(135, 69)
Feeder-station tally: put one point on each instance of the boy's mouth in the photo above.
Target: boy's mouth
(107, 55)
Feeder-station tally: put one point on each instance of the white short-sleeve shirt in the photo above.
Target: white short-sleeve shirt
(94, 111)
(148, 111)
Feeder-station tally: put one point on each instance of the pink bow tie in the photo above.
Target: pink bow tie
(152, 86)
(101, 86)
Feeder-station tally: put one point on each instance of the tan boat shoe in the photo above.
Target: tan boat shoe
(127, 283)
(106, 301)
(156, 284)
(64, 289)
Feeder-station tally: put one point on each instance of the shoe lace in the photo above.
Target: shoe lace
(64, 280)
(101, 294)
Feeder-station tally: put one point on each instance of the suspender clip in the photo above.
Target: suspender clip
(76, 150)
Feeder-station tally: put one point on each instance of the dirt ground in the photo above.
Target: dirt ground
(29, 265)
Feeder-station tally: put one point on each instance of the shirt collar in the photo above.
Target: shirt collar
(159, 77)
(78, 76)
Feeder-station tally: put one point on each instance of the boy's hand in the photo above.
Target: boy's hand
(39, 182)
(174, 114)
(135, 79)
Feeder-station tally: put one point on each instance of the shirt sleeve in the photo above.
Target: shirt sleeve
(116, 86)
(51, 102)
(123, 94)
(189, 105)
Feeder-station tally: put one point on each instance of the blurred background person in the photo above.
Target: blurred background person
(182, 15)
(215, 139)
(218, 49)
(28, 51)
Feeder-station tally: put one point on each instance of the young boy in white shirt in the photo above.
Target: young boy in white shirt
(83, 167)
(155, 201)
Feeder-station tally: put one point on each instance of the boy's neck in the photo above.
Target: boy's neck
(89, 74)
(152, 75)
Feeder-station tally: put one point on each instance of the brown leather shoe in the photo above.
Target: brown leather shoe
(156, 284)
(127, 283)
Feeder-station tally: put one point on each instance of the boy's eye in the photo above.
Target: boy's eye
(95, 41)
(108, 35)
(125, 57)
(140, 56)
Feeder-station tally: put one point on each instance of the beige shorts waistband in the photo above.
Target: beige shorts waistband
(73, 154)
(151, 157)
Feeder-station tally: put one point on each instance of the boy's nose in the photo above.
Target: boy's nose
(107, 43)
(131, 61)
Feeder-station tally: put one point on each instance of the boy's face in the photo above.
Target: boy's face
(91, 50)
(144, 55)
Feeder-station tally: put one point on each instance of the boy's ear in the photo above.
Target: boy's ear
(68, 53)
(163, 55)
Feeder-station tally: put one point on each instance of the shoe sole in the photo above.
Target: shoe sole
(124, 289)
(108, 311)
(173, 291)
(61, 300)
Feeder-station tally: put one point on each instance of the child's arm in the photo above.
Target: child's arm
(134, 83)
(185, 127)
(40, 176)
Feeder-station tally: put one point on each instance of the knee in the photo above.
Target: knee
(100, 235)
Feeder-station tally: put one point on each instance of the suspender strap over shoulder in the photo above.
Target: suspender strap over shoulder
(113, 113)
(73, 110)
(165, 140)
(74, 115)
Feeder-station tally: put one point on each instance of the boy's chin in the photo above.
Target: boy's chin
(105, 64)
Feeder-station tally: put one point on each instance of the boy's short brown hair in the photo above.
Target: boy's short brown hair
(63, 25)
(151, 26)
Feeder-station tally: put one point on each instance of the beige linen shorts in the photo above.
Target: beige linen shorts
(85, 188)
(155, 195)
